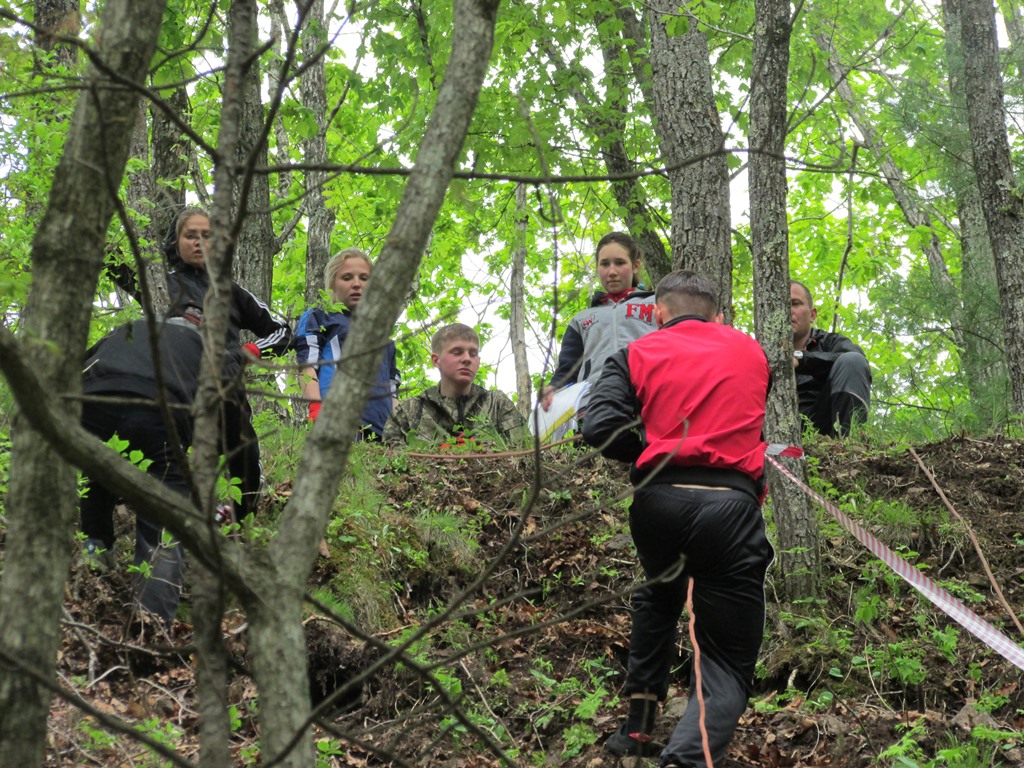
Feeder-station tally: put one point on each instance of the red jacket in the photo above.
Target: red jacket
(699, 389)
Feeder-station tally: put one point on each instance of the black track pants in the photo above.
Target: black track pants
(719, 538)
(159, 591)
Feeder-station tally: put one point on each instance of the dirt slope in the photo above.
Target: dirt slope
(840, 681)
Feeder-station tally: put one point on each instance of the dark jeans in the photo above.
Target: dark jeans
(241, 447)
(718, 537)
(144, 429)
(845, 397)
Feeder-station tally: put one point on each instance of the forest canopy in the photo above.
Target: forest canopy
(477, 150)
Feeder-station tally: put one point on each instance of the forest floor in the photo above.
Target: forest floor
(535, 655)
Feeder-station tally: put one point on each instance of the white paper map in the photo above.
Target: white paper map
(553, 424)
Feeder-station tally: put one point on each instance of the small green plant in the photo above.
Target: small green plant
(144, 569)
(95, 739)
(325, 750)
(136, 457)
(229, 488)
(907, 750)
(577, 736)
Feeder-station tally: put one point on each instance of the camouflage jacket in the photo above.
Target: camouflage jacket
(433, 418)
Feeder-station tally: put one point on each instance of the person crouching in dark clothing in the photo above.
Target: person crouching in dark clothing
(833, 378)
(122, 389)
(697, 391)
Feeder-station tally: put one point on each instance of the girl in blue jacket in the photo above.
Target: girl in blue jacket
(320, 336)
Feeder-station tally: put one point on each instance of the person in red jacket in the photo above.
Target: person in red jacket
(686, 405)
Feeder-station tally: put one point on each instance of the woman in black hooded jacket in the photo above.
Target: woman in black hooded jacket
(185, 247)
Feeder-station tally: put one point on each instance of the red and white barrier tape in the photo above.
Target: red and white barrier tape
(952, 607)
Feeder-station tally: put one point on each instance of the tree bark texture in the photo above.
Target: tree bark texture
(212, 668)
(517, 302)
(1001, 199)
(70, 240)
(256, 244)
(140, 196)
(769, 230)
(692, 147)
(983, 329)
(56, 19)
(313, 90)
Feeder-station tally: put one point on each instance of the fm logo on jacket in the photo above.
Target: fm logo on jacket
(644, 312)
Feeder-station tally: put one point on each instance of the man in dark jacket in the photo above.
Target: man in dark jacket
(833, 379)
(124, 380)
(697, 390)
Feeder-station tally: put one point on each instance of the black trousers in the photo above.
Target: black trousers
(716, 539)
(241, 447)
(845, 397)
(158, 588)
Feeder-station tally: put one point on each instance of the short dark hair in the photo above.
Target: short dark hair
(627, 242)
(810, 299)
(451, 332)
(687, 292)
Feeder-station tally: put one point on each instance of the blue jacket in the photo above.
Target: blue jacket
(319, 337)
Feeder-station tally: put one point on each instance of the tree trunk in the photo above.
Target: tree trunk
(798, 555)
(55, 19)
(141, 195)
(256, 244)
(984, 365)
(278, 31)
(1000, 198)
(692, 146)
(42, 500)
(212, 668)
(609, 128)
(517, 301)
(605, 122)
(313, 90)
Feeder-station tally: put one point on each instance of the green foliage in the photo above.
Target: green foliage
(979, 751)
(134, 456)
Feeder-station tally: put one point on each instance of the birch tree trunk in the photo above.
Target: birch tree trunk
(798, 553)
(1001, 199)
(42, 500)
(692, 146)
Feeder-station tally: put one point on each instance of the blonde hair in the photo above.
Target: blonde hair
(451, 332)
(331, 271)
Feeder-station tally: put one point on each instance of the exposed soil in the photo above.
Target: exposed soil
(831, 690)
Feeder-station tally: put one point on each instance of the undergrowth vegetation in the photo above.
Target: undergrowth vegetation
(459, 613)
